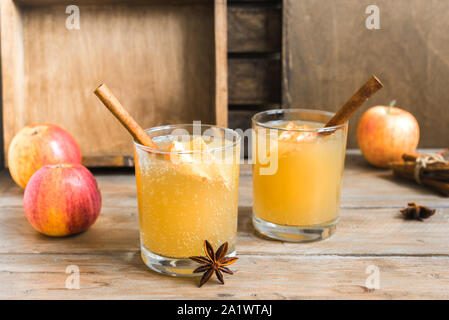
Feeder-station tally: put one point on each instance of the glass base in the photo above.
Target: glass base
(171, 266)
(295, 233)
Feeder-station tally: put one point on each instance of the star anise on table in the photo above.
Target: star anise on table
(213, 262)
(414, 211)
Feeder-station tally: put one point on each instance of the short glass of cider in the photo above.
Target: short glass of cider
(187, 193)
(297, 174)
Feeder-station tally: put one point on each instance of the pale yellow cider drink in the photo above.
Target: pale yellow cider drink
(185, 196)
(300, 200)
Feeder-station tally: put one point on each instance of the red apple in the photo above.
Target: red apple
(38, 145)
(385, 133)
(62, 199)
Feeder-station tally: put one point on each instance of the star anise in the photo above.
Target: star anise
(213, 262)
(414, 211)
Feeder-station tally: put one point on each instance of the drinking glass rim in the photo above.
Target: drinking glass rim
(174, 126)
(291, 110)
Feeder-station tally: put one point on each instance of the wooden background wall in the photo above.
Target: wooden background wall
(327, 53)
(315, 53)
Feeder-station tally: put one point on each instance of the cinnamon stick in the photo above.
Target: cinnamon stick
(116, 108)
(410, 156)
(348, 109)
(434, 175)
(410, 165)
(407, 172)
(410, 159)
(414, 156)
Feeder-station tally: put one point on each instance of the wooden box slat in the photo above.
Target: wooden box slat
(165, 62)
(254, 29)
(254, 81)
(240, 118)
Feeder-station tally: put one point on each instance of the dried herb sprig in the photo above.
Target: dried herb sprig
(416, 212)
(213, 262)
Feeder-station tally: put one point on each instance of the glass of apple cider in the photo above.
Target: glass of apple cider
(297, 174)
(187, 193)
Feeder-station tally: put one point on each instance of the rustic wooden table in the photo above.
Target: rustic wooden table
(412, 257)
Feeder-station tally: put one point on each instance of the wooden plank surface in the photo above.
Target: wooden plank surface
(328, 53)
(412, 256)
(123, 275)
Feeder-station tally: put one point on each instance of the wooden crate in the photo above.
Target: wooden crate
(254, 52)
(165, 60)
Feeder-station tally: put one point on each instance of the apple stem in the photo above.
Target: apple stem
(392, 103)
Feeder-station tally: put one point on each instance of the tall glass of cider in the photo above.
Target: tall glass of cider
(297, 174)
(187, 193)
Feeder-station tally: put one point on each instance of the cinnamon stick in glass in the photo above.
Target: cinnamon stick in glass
(111, 102)
(348, 109)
